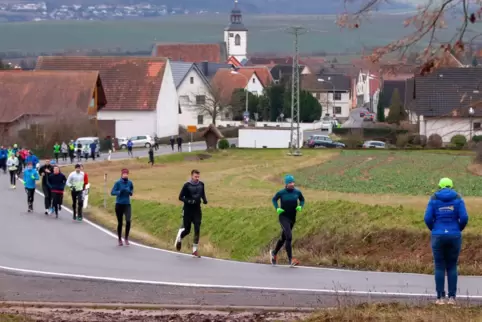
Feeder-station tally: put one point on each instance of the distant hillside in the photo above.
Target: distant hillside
(251, 6)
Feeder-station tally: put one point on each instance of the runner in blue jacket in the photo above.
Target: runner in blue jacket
(446, 217)
(30, 178)
(3, 159)
(32, 158)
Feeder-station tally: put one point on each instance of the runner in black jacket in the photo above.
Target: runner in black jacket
(44, 172)
(192, 193)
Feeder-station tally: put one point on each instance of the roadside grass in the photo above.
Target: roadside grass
(376, 232)
(398, 312)
(14, 318)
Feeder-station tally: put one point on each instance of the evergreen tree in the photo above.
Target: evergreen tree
(380, 108)
(396, 112)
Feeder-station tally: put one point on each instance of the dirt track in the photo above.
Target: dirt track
(104, 315)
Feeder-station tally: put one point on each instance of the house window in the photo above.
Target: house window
(231, 34)
(200, 119)
(237, 40)
(337, 96)
(184, 99)
(191, 80)
(317, 95)
(337, 110)
(226, 115)
(200, 99)
(254, 80)
(477, 126)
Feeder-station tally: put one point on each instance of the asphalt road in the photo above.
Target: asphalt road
(83, 254)
(142, 152)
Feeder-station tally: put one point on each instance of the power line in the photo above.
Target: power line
(295, 93)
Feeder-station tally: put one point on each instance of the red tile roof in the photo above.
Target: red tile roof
(225, 82)
(45, 93)
(262, 72)
(130, 83)
(193, 53)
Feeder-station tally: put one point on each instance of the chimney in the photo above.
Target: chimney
(204, 68)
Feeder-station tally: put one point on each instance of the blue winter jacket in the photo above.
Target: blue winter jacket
(3, 153)
(29, 178)
(123, 190)
(446, 213)
(56, 182)
(32, 158)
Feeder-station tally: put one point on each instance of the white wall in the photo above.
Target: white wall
(167, 106)
(187, 97)
(261, 124)
(254, 85)
(131, 123)
(447, 127)
(239, 52)
(327, 102)
(258, 138)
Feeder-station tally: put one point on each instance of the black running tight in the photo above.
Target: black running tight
(120, 212)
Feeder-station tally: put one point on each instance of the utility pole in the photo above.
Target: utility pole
(295, 94)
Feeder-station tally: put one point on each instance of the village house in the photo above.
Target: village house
(443, 101)
(140, 91)
(29, 98)
(194, 93)
(333, 91)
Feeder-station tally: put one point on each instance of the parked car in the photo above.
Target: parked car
(88, 141)
(142, 141)
(374, 145)
(323, 141)
(327, 125)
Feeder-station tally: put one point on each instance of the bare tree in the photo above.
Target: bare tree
(430, 18)
(212, 105)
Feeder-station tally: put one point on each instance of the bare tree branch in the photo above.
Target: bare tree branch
(212, 106)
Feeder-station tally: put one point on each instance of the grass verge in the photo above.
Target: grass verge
(376, 232)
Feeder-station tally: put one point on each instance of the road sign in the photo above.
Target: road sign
(191, 128)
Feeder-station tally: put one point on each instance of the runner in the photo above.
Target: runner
(32, 158)
(86, 182)
(129, 148)
(56, 182)
(30, 176)
(172, 141)
(179, 144)
(56, 152)
(79, 152)
(151, 156)
(44, 172)
(3, 159)
(12, 165)
(93, 148)
(22, 156)
(64, 149)
(75, 182)
(71, 151)
(287, 210)
(446, 217)
(86, 151)
(15, 149)
(192, 193)
(123, 190)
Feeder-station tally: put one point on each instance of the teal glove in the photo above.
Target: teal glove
(279, 211)
(298, 208)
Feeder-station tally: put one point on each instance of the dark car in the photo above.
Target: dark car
(323, 141)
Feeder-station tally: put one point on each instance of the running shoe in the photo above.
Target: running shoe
(120, 242)
(294, 262)
(126, 241)
(74, 217)
(79, 218)
(451, 301)
(196, 254)
(178, 242)
(51, 210)
(46, 212)
(273, 257)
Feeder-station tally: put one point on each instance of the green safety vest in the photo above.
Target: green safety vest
(9, 152)
(56, 148)
(71, 147)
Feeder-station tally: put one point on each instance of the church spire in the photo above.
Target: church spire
(236, 18)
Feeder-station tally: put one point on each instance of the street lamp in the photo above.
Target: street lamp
(322, 80)
(246, 113)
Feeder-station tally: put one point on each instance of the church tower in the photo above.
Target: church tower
(236, 35)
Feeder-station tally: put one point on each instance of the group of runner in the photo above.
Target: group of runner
(53, 183)
(74, 151)
(445, 216)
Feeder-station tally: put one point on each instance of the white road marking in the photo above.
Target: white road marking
(258, 288)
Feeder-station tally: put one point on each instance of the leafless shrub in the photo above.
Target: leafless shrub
(434, 141)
